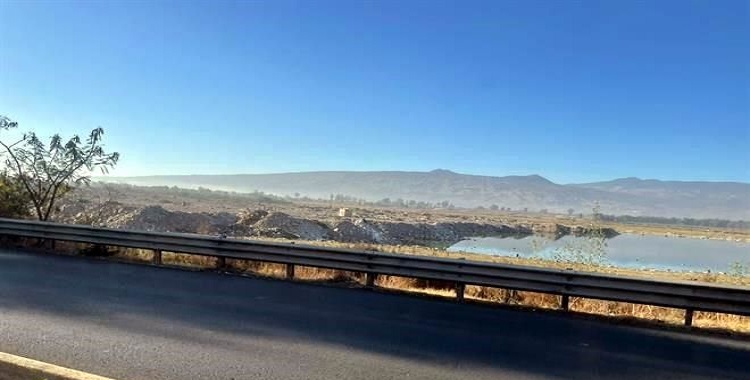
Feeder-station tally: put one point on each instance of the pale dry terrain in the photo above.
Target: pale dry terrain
(194, 201)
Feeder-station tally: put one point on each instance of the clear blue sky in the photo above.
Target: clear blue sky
(572, 90)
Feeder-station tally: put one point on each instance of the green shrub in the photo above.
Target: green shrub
(14, 201)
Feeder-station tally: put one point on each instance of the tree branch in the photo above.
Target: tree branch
(24, 181)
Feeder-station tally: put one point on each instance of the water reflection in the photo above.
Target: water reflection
(631, 251)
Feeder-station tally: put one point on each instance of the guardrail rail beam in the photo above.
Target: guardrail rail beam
(689, 296)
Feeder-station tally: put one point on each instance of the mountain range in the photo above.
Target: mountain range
(626, 196)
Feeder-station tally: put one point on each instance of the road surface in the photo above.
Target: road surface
(138, 322)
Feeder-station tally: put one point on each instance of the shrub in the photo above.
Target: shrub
(14, 201)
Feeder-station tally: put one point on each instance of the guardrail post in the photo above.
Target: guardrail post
(370, 279)
(221, 263)
(460, 289)
(565, 302)
(156, 258)
(290, 271)
(688, 317)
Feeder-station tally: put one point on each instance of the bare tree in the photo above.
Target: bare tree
(47, 172)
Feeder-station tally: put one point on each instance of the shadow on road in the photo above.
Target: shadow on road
(440, 332)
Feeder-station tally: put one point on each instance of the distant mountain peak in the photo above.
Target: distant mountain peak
(538, 177)
(535, 178)
(442, 171)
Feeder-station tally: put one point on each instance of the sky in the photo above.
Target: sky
(576, 91)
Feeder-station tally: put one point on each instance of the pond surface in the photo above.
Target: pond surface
(630, 251)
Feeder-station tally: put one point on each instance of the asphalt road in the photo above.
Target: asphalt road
(138, 322)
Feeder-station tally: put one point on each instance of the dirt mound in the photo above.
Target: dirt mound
(151, 218)
(417, 233)
(250, 217)
(349, 232)
(359, 231)
(156, 218)
(455, 232)
(261, 223)
(101, 215)
(278, 224)
(406, 233)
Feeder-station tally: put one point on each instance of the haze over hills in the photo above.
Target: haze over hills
(627, 196)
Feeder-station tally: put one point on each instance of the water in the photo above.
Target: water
(629, 251)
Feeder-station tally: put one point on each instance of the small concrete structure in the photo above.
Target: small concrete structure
(345, 212)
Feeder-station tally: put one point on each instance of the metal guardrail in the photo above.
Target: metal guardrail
(690, 296)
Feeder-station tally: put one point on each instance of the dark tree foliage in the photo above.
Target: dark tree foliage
(14, 203)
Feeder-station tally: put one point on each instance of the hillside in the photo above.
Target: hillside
(632, 196)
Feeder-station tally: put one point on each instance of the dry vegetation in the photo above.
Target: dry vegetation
(620, 310)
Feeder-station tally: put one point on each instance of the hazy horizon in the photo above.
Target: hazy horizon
(628, 196)
(111, 176)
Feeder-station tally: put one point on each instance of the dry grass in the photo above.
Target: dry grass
(668, 316)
